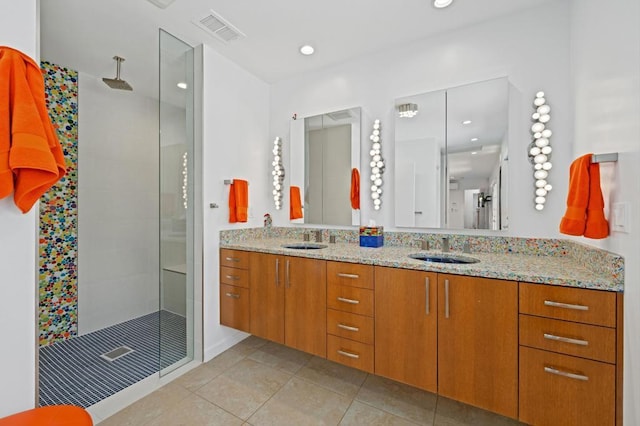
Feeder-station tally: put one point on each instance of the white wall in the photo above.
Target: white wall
(18, 29)
(117, 205)
(531, 48)
(236, 145)
(606, 82)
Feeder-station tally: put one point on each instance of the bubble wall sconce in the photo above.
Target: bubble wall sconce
(277, 173)
(377, 166)
(539, 150)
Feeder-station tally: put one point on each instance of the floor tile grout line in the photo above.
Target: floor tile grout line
(269, 399)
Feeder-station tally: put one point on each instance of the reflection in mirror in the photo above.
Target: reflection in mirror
(451, 158)
(324, 150)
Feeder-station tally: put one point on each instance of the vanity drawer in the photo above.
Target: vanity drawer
(566, 303)
(564, 390)
(234, 258)
(234, 276)
(586, 341)
(350, 353)
(350, 274)
(350, 326)
(350, 299)
(234, 307)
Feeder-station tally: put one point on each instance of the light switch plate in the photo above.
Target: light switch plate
(620, 217)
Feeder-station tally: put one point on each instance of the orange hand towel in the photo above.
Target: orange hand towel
(31, 159)
(355, 189)
(295, 203)
(232, 204)
(241, 189)
(585, 214)
(597, 226)
(575, 218)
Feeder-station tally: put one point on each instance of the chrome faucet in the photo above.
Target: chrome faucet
(424, 244)
(318, 234)
(466, 247)
(445, 244)
(305, 236)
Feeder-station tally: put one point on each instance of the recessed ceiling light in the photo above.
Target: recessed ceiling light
(474, 152)
(442, 3)
(307, 50)
(474, 139)
(182, 85)
(162, 4)
(466, 122)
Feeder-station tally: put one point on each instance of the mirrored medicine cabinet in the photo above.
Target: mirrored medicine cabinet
(324, 149)
(451, 157)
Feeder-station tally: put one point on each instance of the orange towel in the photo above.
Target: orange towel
(355, 189)
(232, 204)
(241, 189)
(31, 159)
(584, 215)
(597, 226)
(295, 203)
(53, 415)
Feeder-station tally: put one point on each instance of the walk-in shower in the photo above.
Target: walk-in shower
(116, 234)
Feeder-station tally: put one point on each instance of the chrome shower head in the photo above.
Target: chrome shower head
(117, 83)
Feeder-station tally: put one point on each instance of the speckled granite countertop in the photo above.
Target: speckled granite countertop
(555, 270)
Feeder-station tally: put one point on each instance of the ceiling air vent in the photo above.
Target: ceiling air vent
(217, 26)
(339, 115)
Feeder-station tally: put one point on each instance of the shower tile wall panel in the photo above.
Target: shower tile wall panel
(118, 267)
(58, 254)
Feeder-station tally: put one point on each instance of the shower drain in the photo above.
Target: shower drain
(116, 353)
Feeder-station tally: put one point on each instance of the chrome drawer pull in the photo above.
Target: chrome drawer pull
(232, 277)
(426, 301)
(277, 272)
(353, 302)
(566, 339)
(557, 372)
(349, 354)
(232, 259)
(347, 327)
(566, 305)
(353, 276)
(235, 296)
(446, 298)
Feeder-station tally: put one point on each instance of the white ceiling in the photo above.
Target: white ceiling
(86, 34)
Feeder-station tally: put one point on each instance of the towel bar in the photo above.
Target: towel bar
(229, 181)
(604, 158)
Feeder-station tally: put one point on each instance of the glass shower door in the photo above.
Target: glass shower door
(176, 202)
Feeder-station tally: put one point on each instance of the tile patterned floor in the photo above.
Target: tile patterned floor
(72, 371)
(258, 383)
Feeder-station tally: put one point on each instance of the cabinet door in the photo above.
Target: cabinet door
(478, 342)
(306, 305)
(266, 284)
(406, 326)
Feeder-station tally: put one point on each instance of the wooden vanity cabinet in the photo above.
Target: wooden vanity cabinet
(570, 356)
(234, 289)
(288, 301)
(478, 342)
(406, 324)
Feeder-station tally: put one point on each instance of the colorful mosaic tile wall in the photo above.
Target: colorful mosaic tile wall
(58, 248)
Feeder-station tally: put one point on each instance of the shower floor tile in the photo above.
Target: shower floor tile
(72, 371)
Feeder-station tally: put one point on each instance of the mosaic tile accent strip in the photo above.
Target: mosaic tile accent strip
(58, 243)
(72, 371)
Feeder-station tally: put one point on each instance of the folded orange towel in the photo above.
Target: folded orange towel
(232, 204)
(574, 220)
(241, 189)
(355, 189)
(31, 159)
(597, 226)
(584, 215)
(295, 203)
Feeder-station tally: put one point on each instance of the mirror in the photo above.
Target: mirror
(324, 150)
(451, 158)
